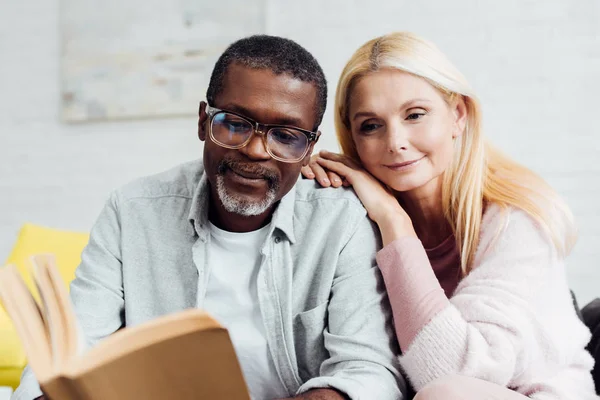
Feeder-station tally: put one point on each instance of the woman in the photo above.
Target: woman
(474, 243)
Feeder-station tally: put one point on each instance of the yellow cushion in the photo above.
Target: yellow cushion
(34, 239)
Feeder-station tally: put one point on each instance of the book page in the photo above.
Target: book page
(28, 321)
(57, 309)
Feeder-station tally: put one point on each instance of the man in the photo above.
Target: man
(286, 267)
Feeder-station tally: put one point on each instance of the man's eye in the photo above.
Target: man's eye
(284, 137)
(236, 125)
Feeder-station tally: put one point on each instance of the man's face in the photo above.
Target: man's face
(248, 181)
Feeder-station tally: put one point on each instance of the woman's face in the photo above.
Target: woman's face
(403, 129)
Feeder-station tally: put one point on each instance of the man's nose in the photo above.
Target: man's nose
(255, 149)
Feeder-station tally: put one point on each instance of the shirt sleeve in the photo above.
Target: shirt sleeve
(29, 388)
(97, 290)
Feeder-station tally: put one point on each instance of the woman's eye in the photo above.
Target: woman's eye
(369, 127)
(415, 116)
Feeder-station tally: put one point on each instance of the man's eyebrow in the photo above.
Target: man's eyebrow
(280, 120)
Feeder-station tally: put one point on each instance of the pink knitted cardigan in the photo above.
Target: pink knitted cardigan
(510, 321)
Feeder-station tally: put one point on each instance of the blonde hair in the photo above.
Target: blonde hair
(479, 174)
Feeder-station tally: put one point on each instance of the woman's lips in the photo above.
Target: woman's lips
(404, 165)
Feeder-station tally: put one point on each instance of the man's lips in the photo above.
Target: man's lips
(248, 174)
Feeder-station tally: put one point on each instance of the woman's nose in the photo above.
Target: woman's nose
(397, 138)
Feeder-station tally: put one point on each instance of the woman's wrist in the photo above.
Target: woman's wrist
(394, 227)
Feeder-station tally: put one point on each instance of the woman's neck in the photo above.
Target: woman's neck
(424, 207)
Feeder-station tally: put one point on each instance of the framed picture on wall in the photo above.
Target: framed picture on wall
(129, 59)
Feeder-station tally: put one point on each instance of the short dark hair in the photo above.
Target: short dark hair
(281, 56)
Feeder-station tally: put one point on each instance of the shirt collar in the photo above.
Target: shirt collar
(198, 215)
(283, 218)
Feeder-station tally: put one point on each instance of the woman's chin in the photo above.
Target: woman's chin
(404, 183)
(404, 187)
(417, 185)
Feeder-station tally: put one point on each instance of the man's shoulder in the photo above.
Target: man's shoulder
(308, 191)
(331, 209)
(179, 181)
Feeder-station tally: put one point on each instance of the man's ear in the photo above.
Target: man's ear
(202, 118)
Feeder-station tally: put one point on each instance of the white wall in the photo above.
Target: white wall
(536, 66)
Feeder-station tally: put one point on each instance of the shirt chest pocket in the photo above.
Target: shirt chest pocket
(309, 327)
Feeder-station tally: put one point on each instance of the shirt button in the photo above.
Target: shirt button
(277, 239)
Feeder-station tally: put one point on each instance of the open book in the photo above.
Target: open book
(186, 355)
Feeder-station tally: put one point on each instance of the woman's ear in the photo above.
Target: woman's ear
(202, 118)
(460, 114)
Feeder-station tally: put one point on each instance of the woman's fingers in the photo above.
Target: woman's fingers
(338, 168)
(335, 179)
(307, 172)
(320, 172)
(338, 157)
(330, 170)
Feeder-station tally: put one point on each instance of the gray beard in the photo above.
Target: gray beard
(240, 206)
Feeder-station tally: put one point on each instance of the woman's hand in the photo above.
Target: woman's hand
(382, 207)
(325, 178)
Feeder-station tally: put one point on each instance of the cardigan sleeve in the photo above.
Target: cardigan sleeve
(414, 292)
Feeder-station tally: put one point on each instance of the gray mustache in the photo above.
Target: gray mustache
(271, 177)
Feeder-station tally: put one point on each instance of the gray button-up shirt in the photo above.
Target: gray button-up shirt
(322, 298)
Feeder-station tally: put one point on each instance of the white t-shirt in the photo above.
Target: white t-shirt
(232, 299)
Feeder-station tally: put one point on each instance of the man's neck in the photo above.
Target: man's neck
(231, 222)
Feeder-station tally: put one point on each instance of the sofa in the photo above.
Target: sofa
(34, 239)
